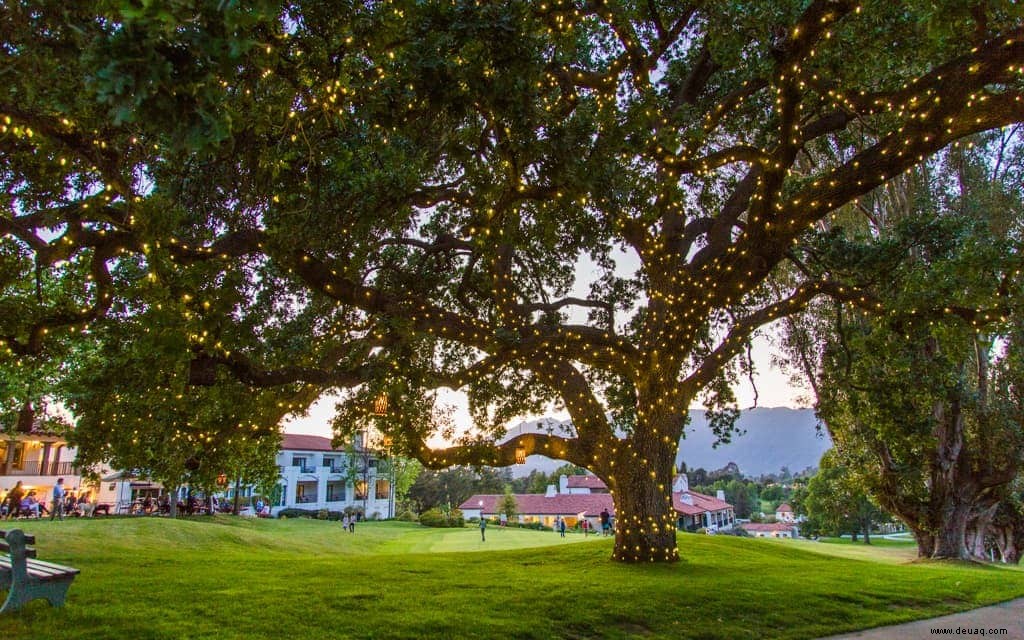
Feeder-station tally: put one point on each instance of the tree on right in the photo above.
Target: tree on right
(919, 382)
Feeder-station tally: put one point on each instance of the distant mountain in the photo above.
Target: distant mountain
(772, 438)
(769, 439)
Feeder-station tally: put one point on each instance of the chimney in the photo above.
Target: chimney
(681, 485)
(720, 495)
(563, 484)
(551, 492)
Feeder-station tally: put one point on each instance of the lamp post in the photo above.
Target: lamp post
(380, 409)
(391, 476)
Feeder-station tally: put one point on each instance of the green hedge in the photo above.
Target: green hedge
(437, 518)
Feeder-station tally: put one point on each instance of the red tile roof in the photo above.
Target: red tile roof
(590, 504)
(562, 504)
(766, 526)
(300, 442)
(784, 507)
(701, 504)
(586, 482)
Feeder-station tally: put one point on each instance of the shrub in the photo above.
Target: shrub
(437, 518)
(406, 516)
(296, 513)
(322, 514)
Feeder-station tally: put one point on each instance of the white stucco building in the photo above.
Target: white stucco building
(784, 513)
(579, 497)
(36, 459)
(314, 476)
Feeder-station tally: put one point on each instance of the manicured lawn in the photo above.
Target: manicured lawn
(230, 578)
(876, 541)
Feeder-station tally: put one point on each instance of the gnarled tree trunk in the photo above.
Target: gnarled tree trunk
(951, 532)
(645, 521)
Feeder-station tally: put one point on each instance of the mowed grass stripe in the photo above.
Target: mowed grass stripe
(235, 578)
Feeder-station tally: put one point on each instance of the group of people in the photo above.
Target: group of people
(348, 522)
(19, 503)
(584, 524)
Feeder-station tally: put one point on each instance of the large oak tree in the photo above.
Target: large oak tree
(395, 197)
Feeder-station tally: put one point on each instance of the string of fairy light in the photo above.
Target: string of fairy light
(923, 116)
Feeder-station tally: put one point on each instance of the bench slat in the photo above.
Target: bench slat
(41, 571)
(29, 551)
(42, 565)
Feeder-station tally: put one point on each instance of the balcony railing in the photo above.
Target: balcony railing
(36, 468)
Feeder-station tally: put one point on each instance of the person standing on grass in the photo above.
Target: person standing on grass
(483, 529)
(344, 522)
(561, 527)
(58, 500)
(605, 522)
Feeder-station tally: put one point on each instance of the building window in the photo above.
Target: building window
(300, 463)
(19, 456)
(361, 489)
(335, 492)
(382, 490)
(305, 492)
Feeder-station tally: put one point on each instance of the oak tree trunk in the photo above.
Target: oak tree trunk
(645, 521)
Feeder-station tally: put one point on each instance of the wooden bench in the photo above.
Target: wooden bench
(26, 578)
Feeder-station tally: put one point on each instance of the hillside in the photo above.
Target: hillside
(769, 439)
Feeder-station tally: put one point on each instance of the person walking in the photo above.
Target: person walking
(14, 501)
(561, 527)
(605, 522)
(483, 529)
(344, 522)
(58, 500)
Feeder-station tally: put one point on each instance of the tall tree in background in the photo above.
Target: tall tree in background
(508, 505)
(836, 500)
(393, 197)
(925, 400)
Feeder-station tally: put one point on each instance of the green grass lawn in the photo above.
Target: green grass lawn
(236, 578)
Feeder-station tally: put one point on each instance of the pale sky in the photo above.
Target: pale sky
(773, 386)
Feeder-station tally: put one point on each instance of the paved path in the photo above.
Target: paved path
(992, 620)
